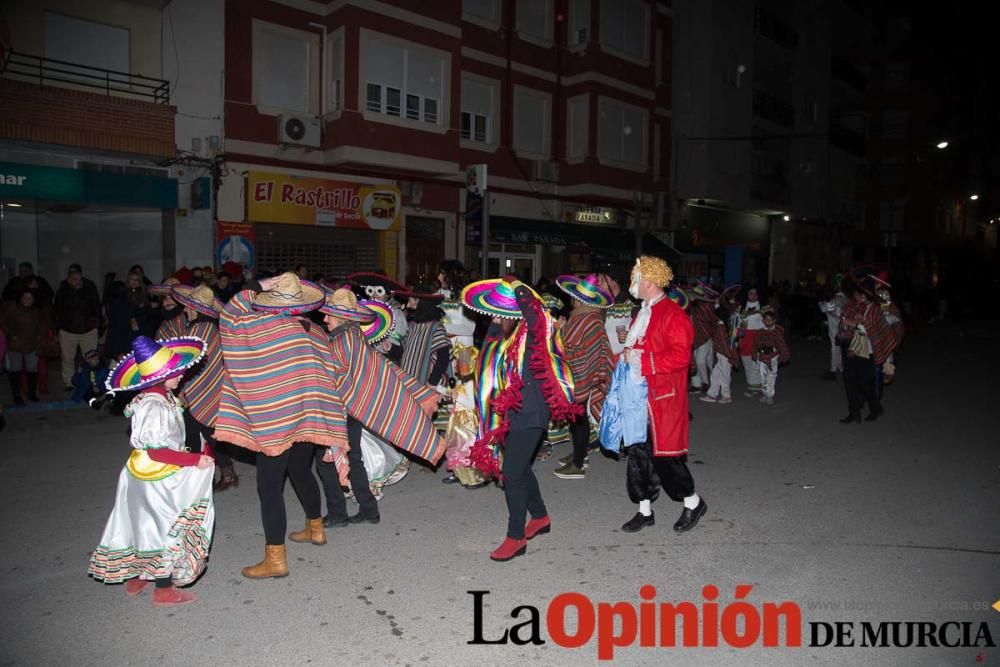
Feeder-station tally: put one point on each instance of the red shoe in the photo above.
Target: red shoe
(537, 527)
(510, 548)
(170, 596)
(135, 586)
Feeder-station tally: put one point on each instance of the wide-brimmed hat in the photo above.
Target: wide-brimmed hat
(201, 299)
(678, 296)
(291, 295)
(375, 285)
(151, 362)
(730, 292)
(586, 290)
(164, 288)
(381, 326)
(419, 292)
(552, 302)
(493, 297)
(703, 292)
(343, 304)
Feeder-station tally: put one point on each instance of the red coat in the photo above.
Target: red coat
(666, 353)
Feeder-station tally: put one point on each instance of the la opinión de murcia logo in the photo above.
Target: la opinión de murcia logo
(737, 623)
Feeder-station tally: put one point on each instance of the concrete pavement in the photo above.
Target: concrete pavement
(891, 521)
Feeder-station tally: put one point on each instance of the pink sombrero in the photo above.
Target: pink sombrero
(493, 297)
(201, 299)
(380, 327)
(151, 362)
(585, 290)
(164, 288)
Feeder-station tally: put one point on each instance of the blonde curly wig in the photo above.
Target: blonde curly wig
(655, 270)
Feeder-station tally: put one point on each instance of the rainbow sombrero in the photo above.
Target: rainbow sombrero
(552, 302)
(585, 290)
(493, 297)
(201, 299)
(678, 296)
(704, 292)
(378, 329)
(151, 362)
(164, 288)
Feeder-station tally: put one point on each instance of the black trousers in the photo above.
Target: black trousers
(194, 429)
(647, 473)
(579, 431)
(296, 462)
(859, 383)
(520, 486)
(336, 501)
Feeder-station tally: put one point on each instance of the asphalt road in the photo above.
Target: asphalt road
(891, 521)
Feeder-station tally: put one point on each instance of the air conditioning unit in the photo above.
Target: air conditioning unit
(299, 130)
(545, 170)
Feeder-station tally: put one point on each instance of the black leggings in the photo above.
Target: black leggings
(520, 485)
(296, 462)
(647, 473)
(579, 431)
(859, 383)
(194, 429)
(336, 502)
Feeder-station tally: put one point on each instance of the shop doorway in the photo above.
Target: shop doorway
(505, 260)
(424, 248)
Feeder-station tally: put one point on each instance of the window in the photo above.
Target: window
(82, 42)
(771, 108)
(284, 62)
(480, 102)
(534, 20)
(621, 133)
(577, 127)
(579, 22)
(897, 78)
(625, 27)
(894, 124)
(531, 122)
(403, 80)
(335, 94)
(483, 10)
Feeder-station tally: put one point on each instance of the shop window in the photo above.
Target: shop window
(531, 122)
(578, 127)
(284, 63)
(625, 27)
(621, 134)
(403, 80)
(533, 20)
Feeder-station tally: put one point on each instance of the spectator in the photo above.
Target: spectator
(137, 269)
(197, 276)
(88, 382)
(25, 325)
(225, 288)
(302, 271)
(19, 283)
(78, 315)
(142, 318)
(208, 276)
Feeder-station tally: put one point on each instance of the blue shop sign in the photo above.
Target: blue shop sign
(28, 181)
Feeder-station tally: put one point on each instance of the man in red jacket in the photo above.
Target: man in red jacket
(658, 348)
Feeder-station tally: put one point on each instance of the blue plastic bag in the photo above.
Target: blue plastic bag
(623, 421)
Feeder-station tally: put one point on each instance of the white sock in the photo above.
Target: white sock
(692, 501)
(645, 508)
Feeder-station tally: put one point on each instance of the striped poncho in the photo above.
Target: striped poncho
(202, 391)
(277, 389)
(703, 318)
(423, 340)
(375, 392)
(173, 327)
(588, 354)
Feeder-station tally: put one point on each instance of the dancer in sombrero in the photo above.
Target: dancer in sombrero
(278, 400)
(160, 529)
(377, 287)
(703, 318)
(522, 378)
(427, 348)
(589, 356)
(202, 390)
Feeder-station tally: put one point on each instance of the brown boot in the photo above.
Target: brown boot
(273, 565)
(227, 480)
(313, 532)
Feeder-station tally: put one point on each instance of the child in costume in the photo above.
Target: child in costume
(726, 359)
(160, 529)
(89, 379)
(769, 349)
(463, 423)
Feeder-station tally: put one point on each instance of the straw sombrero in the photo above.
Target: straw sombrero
(678, 296)
(375, 285)
(164, 288)
(151, 362)
(291, 296)
(493, 297)
(200, 299)
(343, 304)
(381, 326)
(585, 290)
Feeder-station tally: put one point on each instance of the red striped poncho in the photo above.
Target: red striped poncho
(878, 331)
(770, 343)
(202, 391)
(277, 389)
(703, 318)
(588, 353)
(374, 391)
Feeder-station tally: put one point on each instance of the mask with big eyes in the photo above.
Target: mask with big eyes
(883, 295)
(376, 292)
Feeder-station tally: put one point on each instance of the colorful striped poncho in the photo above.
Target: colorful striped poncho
(202, 391)
(422, 341)
(703, 318)
(588, 354)
(174, 327)
(277, 389)
(375, 392)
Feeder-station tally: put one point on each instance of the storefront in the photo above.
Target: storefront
(334, 227)
(105, 217)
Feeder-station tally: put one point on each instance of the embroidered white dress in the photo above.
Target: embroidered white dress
(162, 521)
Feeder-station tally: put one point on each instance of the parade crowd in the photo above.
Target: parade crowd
(344, 386)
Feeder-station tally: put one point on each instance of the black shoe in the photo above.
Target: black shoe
(359, 517)
(874, 414)
(851, 419)
(450, 479)
(638, 522)
(689, 518)
(329, 521)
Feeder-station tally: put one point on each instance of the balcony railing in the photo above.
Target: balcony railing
(24, 67)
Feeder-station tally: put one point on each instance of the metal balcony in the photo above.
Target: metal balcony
(47, 71)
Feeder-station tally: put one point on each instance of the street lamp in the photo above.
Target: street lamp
(942, 145)
(786, 218)
(974, 197)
